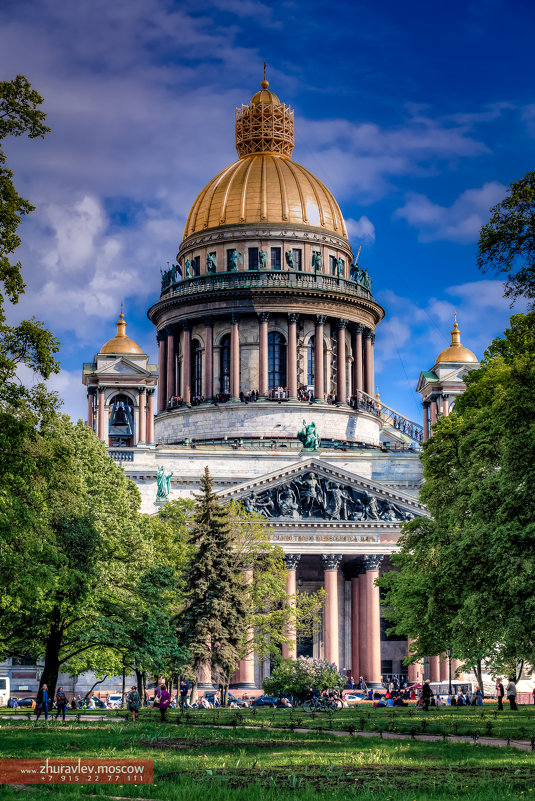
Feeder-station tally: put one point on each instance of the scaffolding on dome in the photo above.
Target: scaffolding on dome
(265, 128)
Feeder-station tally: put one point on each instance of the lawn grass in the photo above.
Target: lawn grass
(194, 762)
(483, 721)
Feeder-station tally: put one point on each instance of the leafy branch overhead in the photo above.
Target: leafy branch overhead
(507, 241)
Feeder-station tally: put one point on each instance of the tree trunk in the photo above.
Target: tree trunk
(49, 676)
(139, 679)
(479, 673)
(224, 693)
(194, 692)
(124, 683)
(89, 692)
(518, 672)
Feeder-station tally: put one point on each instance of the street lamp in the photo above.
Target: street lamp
(450, 691)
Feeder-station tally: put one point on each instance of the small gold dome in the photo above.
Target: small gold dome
(120, 342)
(265, 188)
(456, 351)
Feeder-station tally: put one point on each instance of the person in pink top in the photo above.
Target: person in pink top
(165, 700)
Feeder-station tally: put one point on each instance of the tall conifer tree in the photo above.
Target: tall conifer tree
(211, 623)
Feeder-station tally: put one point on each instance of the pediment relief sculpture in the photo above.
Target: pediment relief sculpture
(313, 496)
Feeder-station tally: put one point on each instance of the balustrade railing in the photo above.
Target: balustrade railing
(389, 416)
(267, 279)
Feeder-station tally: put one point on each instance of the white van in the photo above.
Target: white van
(5, 690)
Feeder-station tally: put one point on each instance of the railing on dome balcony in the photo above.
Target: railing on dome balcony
(388, 416)
(267, 279)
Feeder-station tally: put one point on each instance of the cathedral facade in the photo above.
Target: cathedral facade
(265, 329)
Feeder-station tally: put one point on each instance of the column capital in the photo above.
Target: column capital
(426, 404)
(291, 560)
(293, 317)
(234, 318)
(321, 319)
(209, 322)
(369, 334)
(445, 396)
(357, 328)
(186, 325)
(373, 561)
(331, 561)
(141, 390)
(151, 391)
(161, 335)
(342, 323)
(101, 390)
(91, 391)
(263, 317)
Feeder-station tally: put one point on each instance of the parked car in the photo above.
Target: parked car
(231, 699)
(354, 698)
(28, 701)
(266, 700)
(114, 700)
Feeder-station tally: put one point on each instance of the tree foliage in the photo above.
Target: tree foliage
(295, 677)
(28, 343)
(468, 574)
(507, 241)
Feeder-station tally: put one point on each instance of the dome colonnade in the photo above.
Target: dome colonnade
(266, 301)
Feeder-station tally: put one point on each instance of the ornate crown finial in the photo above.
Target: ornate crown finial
(265, 82)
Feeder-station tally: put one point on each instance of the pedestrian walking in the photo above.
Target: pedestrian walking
(165, 700)
(133, 702)
(427, 695)
(61, 703)
(41, 704)
(511, 695)
(500, 692)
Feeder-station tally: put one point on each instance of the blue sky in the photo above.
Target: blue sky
(417, 116)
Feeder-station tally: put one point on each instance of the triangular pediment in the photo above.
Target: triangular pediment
(121, 367)
(314, 490)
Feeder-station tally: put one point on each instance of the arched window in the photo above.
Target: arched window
(311, 361)
(224, 365)
(121, 421)
(196, 368)
(276, 360)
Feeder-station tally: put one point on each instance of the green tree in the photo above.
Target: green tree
(507, 241)
(28, 343)
(86, 578)
(295, 677)
(211, 622)
(468, 575)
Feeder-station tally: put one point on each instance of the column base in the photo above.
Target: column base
(375, 685)
(206, 686)
(244, 685)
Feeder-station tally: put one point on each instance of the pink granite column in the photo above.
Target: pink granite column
(425, 405)
(235, 359)
(443, 667)
(434, 668)
(186, 362)
(445, 405)
(91, 408)
(341, 385)
(100, 421)
(433, 413)
(150, 417)
(331, 563)
(415, 673)
(373, 614)
(246, 665)
(356, 670)
(142, 417)
(208, 389)
(263, 354)
(289, 649)
(368, 363)
(292, 356)
(162, 369)
(363, 627)
(358, 375)
(171, 362)
(319, 389)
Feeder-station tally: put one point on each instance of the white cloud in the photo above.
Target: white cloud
(363, 230)
(460, 222)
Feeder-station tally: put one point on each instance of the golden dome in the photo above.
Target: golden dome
(120, 342)
(265, 185)
(265, 188)
(456, 352)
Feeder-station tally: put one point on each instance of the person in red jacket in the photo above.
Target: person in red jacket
(165, 700)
